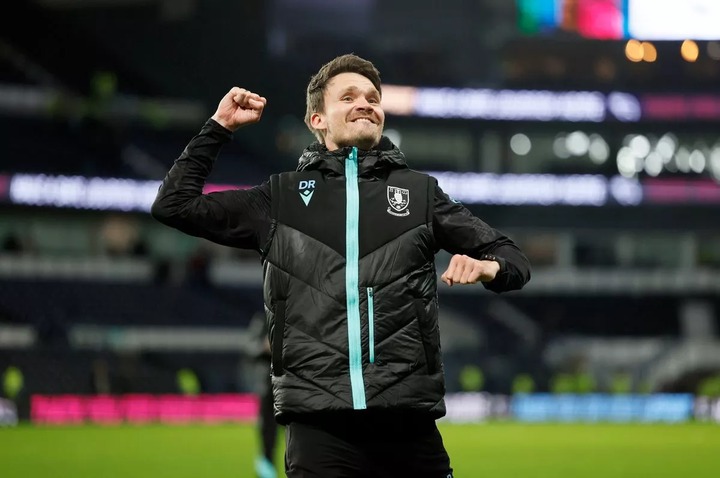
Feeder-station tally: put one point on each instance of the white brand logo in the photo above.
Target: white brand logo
(307, 188)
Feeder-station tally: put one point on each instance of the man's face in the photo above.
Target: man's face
(352, 116)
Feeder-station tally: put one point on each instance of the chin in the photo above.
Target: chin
(365, 142)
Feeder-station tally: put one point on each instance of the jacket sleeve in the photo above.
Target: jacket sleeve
(237, 218)
(458, 231)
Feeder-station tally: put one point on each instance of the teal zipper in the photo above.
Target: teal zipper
(371, 325)
(352, 288)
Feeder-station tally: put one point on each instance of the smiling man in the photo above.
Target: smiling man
(345, 110)
(348, 242)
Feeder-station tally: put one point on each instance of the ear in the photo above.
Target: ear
(317, 120)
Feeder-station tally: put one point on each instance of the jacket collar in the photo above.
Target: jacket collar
(383, 156)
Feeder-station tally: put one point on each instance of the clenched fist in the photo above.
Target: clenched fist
(238, 108)
(466, 270)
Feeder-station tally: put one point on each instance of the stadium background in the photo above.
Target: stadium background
(585, 129)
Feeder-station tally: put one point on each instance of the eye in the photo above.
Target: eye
(373, 101)
(346, 98)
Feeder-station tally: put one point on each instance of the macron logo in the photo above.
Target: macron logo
(307, 188)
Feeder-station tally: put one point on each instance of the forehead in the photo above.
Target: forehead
(344, 81)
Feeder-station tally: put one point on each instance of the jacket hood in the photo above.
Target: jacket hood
(383, 156)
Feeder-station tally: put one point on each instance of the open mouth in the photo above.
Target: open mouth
(363, 120)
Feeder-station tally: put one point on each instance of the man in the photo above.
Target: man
(350, 288)
(267, 426)
(260, 351)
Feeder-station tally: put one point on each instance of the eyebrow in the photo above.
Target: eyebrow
(355, 89)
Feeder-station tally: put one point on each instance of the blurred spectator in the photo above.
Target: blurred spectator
(13, 389)
(11, 243)
(129, 369)
(710, 386)
(101, 383)
(198, 268)
(162, 271)
(472, 379)
(120, 236)
(188, 382)
(523, 383)
(267, 426)
(13, 382)
(621, 383)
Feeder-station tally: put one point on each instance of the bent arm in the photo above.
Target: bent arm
(237, 218)
(458, 231)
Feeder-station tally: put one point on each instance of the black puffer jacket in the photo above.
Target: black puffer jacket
(348, 243)
(350, 285)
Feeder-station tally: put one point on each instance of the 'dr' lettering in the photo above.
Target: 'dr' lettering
(309, 184)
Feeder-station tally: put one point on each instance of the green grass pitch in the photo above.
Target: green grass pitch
(483, 450)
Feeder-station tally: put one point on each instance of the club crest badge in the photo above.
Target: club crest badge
(399, 199)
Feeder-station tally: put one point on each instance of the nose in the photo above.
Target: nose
(363, 104)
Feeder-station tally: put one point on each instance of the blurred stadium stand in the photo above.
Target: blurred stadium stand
(115, 89)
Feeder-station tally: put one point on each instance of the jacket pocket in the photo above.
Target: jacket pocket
(278, 334)
(371, 325)
(429, 352)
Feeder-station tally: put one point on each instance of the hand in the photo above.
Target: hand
(466, 270)
(238, 108)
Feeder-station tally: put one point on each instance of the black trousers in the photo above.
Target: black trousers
(365, 445)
